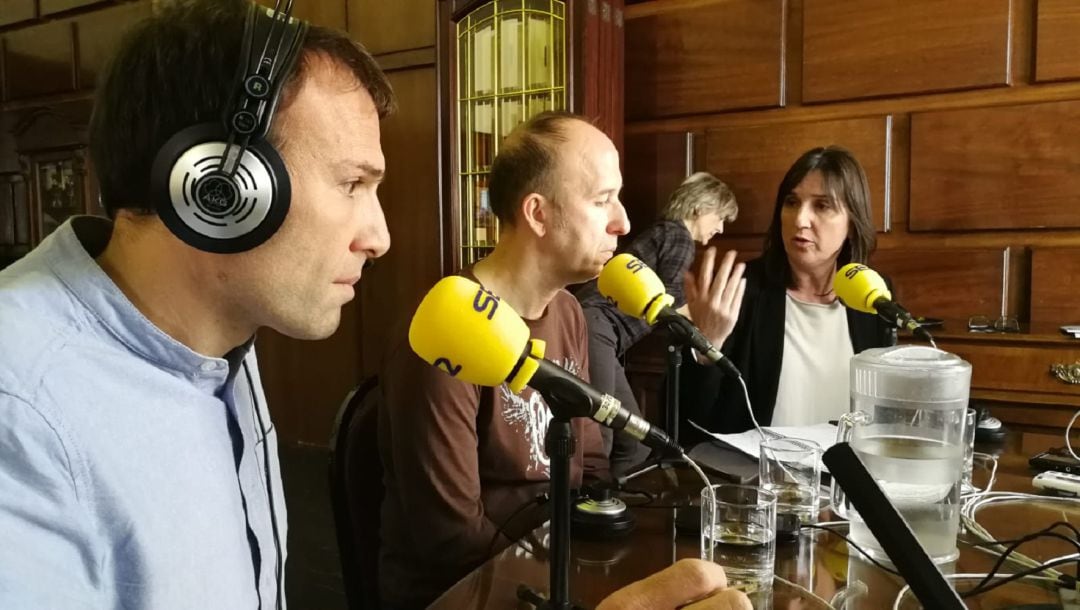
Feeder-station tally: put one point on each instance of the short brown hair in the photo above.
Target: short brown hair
(178, 68)
(701, 193)
(527, 161)
(847, 187)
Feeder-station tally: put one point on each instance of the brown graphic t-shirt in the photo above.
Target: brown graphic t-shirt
(459, 459)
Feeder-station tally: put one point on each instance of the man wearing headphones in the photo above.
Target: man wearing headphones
(138, 464)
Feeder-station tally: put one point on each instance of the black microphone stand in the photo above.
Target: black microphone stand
(559, 444)
(658, 459)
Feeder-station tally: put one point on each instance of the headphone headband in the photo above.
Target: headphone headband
(221, 186)
(262, 76)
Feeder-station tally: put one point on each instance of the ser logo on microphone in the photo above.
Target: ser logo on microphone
(855, 270)
(634, 265)
(451, 368)
(488, 299)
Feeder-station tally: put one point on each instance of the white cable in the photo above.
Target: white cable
(750, 410)
(1068, 430)
(712, 501)
(906, 588)
(973, 505)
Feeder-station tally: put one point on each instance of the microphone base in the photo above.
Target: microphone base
(533, 597)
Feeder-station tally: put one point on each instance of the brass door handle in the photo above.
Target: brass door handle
(1069, 373)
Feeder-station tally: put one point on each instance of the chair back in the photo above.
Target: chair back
(356, 493)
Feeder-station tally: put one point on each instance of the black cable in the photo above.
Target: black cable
(539, 500)
(1024, 574)
(264, 433)
(855, 546)
(1048, 528)
(1015, 544)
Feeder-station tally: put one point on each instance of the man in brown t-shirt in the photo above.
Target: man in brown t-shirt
(460, 459)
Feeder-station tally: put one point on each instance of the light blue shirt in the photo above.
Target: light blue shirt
(132, 469)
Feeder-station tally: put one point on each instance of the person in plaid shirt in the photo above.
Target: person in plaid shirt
(696, 212)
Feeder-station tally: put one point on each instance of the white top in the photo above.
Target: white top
(814, 373)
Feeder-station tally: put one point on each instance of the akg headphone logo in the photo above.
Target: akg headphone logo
(222, 186)
(216, 195)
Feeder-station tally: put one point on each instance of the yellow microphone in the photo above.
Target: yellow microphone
(634, 288)
(863, 289)
(471, 334)
(859, 287)
(474, 336)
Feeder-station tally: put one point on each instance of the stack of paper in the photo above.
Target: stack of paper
(749, 442)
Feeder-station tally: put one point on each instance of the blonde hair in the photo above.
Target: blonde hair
(701, 193)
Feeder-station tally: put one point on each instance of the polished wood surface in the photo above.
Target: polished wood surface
(1055, 284)
(679, 65)
(996, 168)
(1058, 45)
(1021, 368)
(752, 160)
(653, 166)
(945, 283)
(385, 27)
(869, 48)
(819, 564)
(394, 286)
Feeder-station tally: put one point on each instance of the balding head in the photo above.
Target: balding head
(531, 159)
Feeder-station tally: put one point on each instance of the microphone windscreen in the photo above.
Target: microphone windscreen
(468, 332)
(859, 286)
(635, 289)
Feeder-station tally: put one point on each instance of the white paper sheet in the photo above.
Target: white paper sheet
(749, 442)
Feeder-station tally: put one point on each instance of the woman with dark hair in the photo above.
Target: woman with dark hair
(794, 339)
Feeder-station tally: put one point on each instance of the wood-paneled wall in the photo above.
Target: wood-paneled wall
(51, 52)
(306, 381)
(962, 112)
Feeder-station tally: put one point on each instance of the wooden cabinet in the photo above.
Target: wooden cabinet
(1012, 373)
(59, 188)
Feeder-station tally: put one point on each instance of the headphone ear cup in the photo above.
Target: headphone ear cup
(209, 209)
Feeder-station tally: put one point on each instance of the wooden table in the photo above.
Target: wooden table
(819, 564)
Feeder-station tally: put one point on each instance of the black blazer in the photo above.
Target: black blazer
(756, 347)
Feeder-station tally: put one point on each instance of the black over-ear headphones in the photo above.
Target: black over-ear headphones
(221, 187)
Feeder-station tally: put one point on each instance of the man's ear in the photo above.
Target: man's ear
(537, 213)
